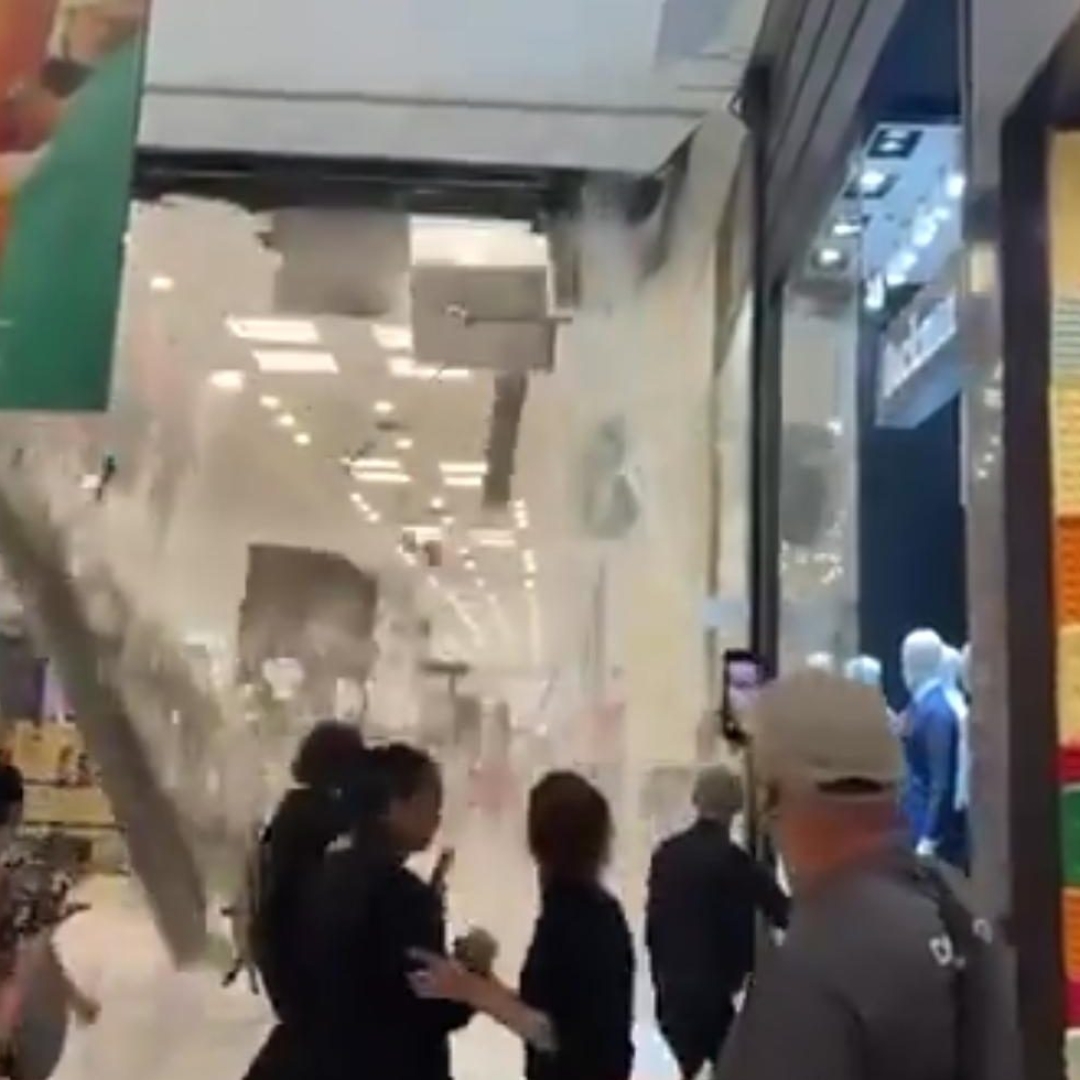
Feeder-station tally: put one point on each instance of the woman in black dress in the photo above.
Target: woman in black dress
(574, 1006)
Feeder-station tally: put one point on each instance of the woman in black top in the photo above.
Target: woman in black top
(574, 1008)
(366, 916)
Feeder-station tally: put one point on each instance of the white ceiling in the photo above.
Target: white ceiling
(241, 477)
(564, 83)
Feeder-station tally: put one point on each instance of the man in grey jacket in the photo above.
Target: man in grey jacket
(884, 974)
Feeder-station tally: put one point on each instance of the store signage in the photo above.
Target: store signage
(70, 86)
(918, 371)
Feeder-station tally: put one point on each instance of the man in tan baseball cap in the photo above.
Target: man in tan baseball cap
(880, 950)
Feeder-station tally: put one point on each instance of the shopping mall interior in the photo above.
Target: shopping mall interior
(496, 380)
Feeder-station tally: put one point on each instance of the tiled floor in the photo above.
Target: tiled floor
(159, 1023)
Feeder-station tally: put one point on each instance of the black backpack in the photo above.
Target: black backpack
(987, 1039)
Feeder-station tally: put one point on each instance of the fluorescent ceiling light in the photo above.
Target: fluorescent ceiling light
(494, 538)
(530, 584)
(286, 420)
(393, 337)
(463, 481)
(406, 442)
(162, 283)
(227, 379)
(384, 408)
(269, 401)
(302, 438)
(463, 468)
(295, 362)
(375, 464)
(374, 517)
(956, 185)
(274, 331)
(528, 559)
(405, 367)
(438, 503)
(382, 478)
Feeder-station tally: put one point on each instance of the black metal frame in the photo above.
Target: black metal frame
(1035, 900)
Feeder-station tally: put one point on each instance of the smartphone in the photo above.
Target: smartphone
(743, 677)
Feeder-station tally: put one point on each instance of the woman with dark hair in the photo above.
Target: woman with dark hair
(331, 771)
(368, 914)
(574, 1008)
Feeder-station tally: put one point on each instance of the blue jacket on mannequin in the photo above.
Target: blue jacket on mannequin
(931, 734)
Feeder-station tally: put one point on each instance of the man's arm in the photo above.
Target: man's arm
(792, 1028)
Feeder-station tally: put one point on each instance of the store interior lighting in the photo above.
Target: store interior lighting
(295, 362)
(270, 331)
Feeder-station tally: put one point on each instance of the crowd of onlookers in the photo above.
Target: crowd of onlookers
(882, 972)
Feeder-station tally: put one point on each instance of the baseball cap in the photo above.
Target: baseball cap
(820, 730)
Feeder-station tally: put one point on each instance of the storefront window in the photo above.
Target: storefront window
(818, 467)
(871, 515)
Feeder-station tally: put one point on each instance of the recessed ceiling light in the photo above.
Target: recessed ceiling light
(392, 337)
(830, 256)
(874, 183)
(162, 283)
(375, 464)
(463, 481)
(274, 331)
(302, 438)
(406, 442)
(470, 565)
(530, 584)
(382, 478)
(494, 538)
(438, 503)
(269, 401)
(529, 561)
(448, 520)
(227, 379)
(295, 362)
(956, 185)
(374, 517)
(286, 420)
(384, 408)
(464, 468)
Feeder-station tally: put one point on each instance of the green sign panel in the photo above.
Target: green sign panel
(70, 88)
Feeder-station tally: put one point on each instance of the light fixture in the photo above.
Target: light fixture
(438, 503)
(956, 185)
(530, 584)
(302, 438)
(295, 362)
(528, 560)
(844, 228)
(470, 565)
(463, 481)
(228, 379)
(925, 231)
(374, 517)
(874, 183)
(494, 538)
(448, 520)
(162, 283)
(270, 401)
(463, 468)
(286, 420)
(274, 331)
(392, 478)
(90, 482)
(384, 408)
(406, 442)
(364, 464)
(875, 293)
(828, 257)
(392, 337)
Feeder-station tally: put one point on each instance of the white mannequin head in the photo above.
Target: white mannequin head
(923, 654)
(952, 667)
(864, 669)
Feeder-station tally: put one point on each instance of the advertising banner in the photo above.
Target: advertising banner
(70, 86)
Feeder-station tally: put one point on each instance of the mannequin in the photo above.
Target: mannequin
(868, 671)
(932, 751)
(952, 676)
(864, 669)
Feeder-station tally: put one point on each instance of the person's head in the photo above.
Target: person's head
(12, 796)
(718, 795)
(952, 667)
(331, 757)
(864, 669)
(829, 767)
(570, 828)
(412, 796)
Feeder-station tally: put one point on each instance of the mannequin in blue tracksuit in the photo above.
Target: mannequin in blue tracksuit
(931, 734)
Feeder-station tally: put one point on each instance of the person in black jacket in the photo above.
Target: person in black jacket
(366, 916)
(574, 1008)
(704, 892)
(332, 774)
